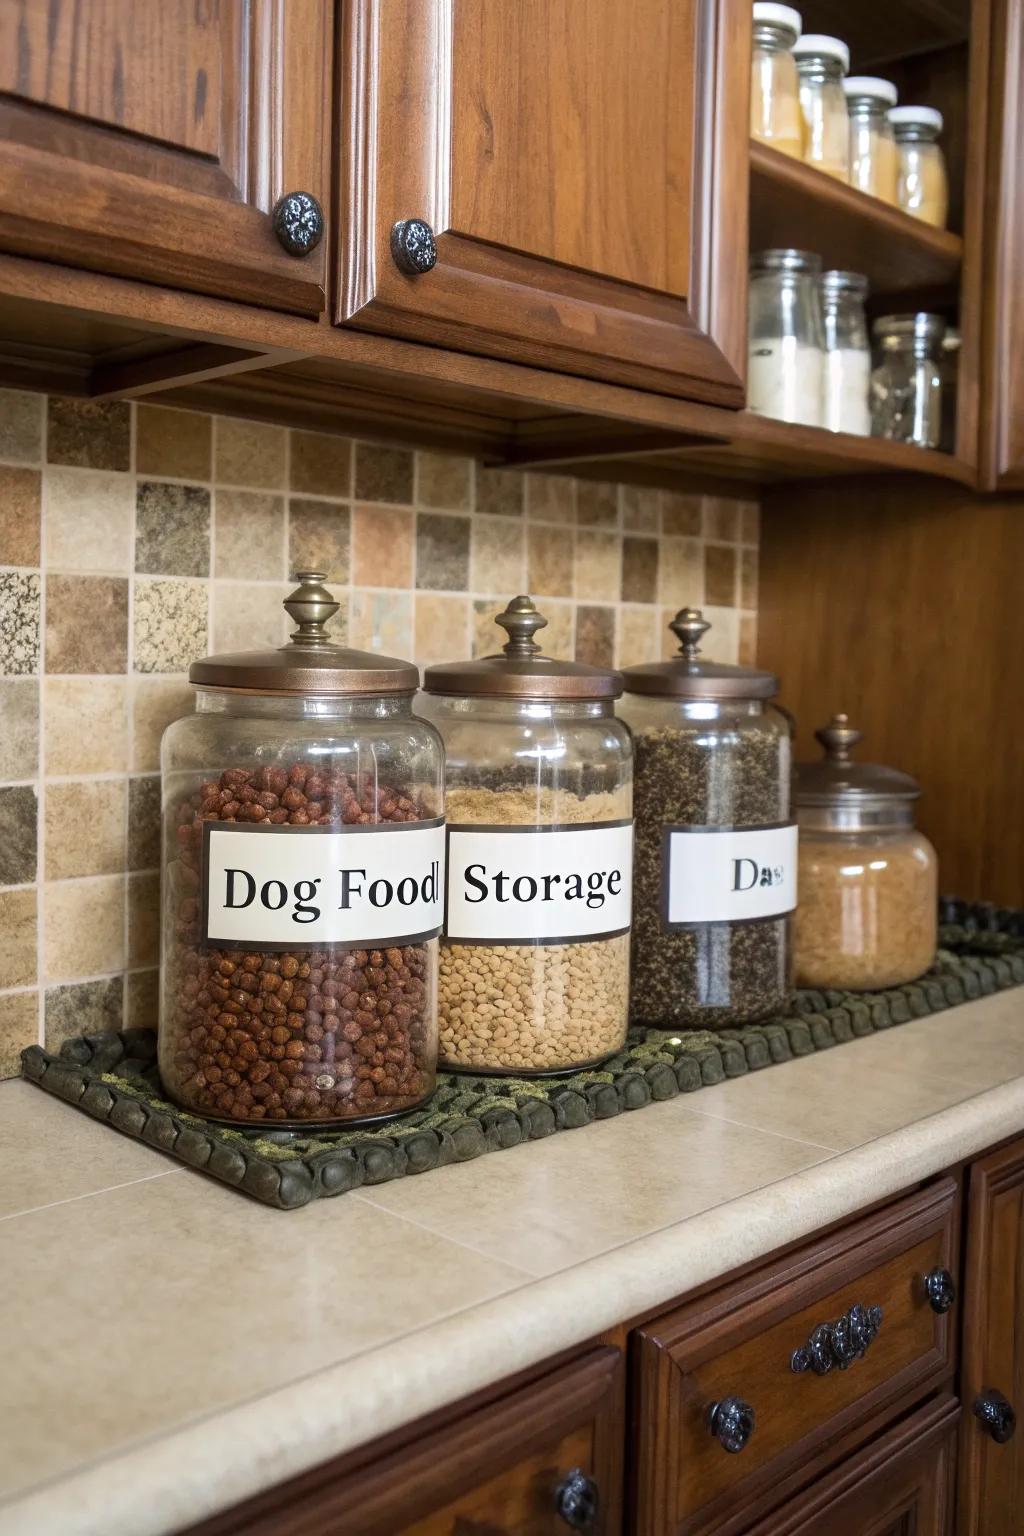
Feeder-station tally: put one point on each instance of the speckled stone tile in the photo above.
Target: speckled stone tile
(172, 529)
(638, 635)
(249, 536)
(250, 453)
(144, 822)
(497, 555)
(598, 566)
(19, 816)
(748, 640)
(722, 641)
(550, 561)
(21, 426)
(720, 575)
(441, 631)
(155, 702)
(382, 621)
(19, 1028)
(142, 999)
(321, 464)
(20, 492)
(748, 578)
(84, 828)
(245, 617)
(320, 539)
(86, 724)
(93, 434)
(680, 574)
(640, 509)
(143, 919)
(170, 624)
(18, 930)
(595, 635)
(86, 624)
(551, 498)
(19, 623)
(382, 547)
(82, 1008)
(383, 473)
(89, 516)
(84, 927)
(681, 516)
(444, 480)
(172, 442)
(19, 738)
(442, 552)
(597, 504)
(639, 570)
(722, 519)
(750, 522)
(499, 491)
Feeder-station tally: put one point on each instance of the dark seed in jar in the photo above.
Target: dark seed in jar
(314, 1035)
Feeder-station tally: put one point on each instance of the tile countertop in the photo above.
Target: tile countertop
(170, 1347)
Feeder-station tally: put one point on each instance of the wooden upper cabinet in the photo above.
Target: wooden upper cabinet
(583, 167)
(1002, 392)
(151, 138)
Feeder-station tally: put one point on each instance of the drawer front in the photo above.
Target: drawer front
(739, 1344)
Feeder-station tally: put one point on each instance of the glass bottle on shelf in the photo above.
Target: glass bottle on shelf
(821, 63)
(872, 145)
(906, 386)
(774, 89)
(922, 186)
(846, 374)
(786, 344)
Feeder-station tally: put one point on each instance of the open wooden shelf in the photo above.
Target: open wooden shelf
(792, 204)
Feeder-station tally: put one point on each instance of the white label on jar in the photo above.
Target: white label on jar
(539, 885)
(304, 887)
(727, 874)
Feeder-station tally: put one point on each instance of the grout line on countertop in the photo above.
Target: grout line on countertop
(90, 1194)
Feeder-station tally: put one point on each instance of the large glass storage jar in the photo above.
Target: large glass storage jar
(774, 90)
(906, 385)
(715, 860)
(821, 64)
(872, 145)
(868, 880)
(534, 970)
(846, 386)
(785, 353)
(922, 185)
(303, 854)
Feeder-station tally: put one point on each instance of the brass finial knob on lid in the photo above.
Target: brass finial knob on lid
(521, 621)
(311, 606)
(689, 627)
(838, 738)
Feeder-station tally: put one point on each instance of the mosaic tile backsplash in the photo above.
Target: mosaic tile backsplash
(134, 538)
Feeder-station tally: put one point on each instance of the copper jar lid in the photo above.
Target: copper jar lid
(522, 671)
(838, 794)
(311, 663)
(687, 677)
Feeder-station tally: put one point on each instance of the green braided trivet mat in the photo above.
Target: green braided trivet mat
(114, 1078)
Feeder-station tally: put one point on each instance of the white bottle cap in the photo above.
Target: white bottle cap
(871, 85)
(928, 117)
(772, 15)
(818, 45)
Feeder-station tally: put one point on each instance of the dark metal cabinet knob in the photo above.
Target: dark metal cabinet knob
(940, 1288)
(995, 1414)
(413, 247)
(578, 1501)
(298, 222)
(732, 1423)
(840, 1343)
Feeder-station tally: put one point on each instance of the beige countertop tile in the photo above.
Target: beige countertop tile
(170, 1347)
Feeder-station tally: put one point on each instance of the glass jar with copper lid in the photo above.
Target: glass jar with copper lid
(534, 968)
(868, 910)
(715, 861)
(302, 893)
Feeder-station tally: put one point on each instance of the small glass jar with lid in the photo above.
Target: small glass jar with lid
(302, 888)
(906, 385)
(846, 386)
(774, 91)
(534, 969)
(716, 855)
(868, 910)
(872, 145)
(786, 345)
(922, 184)
(821, 63)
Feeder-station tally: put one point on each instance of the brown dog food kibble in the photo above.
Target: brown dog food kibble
(311, 1035)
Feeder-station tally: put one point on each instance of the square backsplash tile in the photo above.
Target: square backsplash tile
(151, 535)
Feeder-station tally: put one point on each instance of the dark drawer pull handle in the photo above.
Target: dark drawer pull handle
(578, 1501)
(995, 1414)
(298, 222)
(839, 1343)
(732, 1423)
(940, 1288)
(413, 247)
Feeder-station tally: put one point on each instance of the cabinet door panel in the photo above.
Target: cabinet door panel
(582, 165)
(1002, 393)
(992, 1475)
(152, 140)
